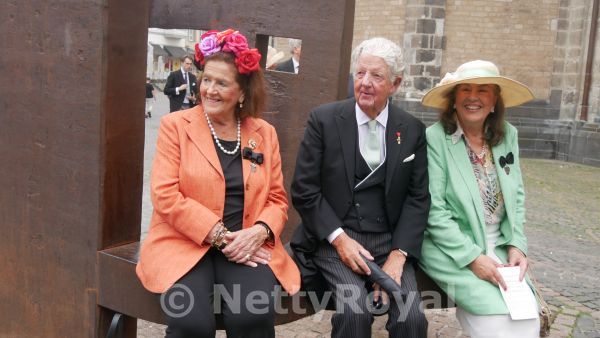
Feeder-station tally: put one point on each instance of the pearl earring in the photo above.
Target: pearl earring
(492, 111)
(241, 105)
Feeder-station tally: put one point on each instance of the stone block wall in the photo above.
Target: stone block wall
(569, 56)
(539, 137)
(572, 141)
(542, 43)
(423, 44)
(379, 18)
(517, 35)
(594, 103)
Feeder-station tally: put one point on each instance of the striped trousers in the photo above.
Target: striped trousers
(350, 291)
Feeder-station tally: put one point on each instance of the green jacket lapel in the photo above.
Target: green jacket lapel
(507, 187)
(459, 155)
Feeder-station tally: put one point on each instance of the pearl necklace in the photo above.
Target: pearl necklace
(214, 134)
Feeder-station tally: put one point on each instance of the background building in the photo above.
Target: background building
(166, 47)
(542, 43)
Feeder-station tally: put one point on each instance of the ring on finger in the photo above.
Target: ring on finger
(247, 257)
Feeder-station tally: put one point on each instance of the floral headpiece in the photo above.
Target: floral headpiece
(230, 41)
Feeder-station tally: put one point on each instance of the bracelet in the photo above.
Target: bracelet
(218, 240)
(269, 232)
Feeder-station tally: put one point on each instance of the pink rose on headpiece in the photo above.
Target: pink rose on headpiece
(235, 43)
(198, 56)
(210, 32)
(247, 61)
(209, 45)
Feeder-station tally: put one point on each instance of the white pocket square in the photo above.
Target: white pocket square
(408, 159)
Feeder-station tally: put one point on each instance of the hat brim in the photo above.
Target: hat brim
(513, 92)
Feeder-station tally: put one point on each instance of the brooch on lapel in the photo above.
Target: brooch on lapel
(505, 161)
(398, 138)
(254, 158)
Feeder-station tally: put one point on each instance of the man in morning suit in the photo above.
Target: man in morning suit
(181, 87)
(292, 65)
(361, 188)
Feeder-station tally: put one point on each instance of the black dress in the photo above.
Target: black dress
(233, 212)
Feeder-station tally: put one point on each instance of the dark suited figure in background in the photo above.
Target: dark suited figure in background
(361, 188)
(181, 87)
(292, 64)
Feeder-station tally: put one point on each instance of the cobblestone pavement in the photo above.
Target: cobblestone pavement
(563, 229)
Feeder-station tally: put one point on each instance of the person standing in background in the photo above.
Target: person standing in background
(293, 64)
(181, 87)
(149, 98)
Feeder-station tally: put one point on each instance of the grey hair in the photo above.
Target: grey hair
(293, 43)
(390, 52)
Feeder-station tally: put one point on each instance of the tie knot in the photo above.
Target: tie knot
(372, 125)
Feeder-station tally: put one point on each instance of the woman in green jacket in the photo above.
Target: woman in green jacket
(476, 219)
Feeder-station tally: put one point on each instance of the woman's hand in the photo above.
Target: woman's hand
(213, 232)
(517, 258)
(243, 246)
(487, 269)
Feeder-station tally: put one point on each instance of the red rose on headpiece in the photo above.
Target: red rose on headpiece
(247, 61)
(235, 43)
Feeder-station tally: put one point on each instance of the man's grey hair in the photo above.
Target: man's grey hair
(293, 43)
(390, 52)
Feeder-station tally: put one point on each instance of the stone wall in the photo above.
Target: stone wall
(569, 56)
(517, 35)
(542, 43)
(539, 137)
(572, 141)
(594, 103)
(379, 18)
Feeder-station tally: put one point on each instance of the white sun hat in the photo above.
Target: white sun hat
(513, 92)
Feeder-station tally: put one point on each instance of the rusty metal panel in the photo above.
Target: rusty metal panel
(66, 154)
(71, 136)
(120, 289)
(122, 148)
(325, 28)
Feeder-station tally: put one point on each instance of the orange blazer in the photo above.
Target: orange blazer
(188, 195)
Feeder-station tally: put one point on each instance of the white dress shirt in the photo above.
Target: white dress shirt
(186, 76)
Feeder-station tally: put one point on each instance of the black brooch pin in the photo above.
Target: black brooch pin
(505, 161)
(254, 158)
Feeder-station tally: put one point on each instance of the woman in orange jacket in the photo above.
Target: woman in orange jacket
(219, 203)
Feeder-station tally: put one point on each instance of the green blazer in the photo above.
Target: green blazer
(455, 234)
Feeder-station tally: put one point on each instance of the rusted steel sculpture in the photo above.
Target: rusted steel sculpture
(72, 138)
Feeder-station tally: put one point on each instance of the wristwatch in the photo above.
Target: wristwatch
(269, 232)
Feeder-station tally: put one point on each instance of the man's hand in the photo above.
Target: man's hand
(487, 269)
(393, 266)
(349, 251)
(182, 87)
